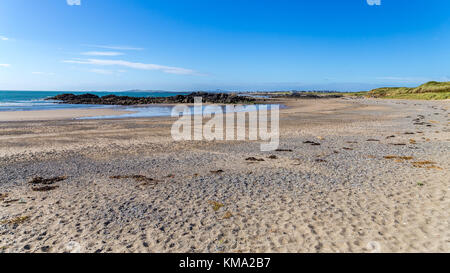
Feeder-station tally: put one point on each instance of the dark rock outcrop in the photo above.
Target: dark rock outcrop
(220, 98)
(314, 96)
(298, 94)
(308, 95)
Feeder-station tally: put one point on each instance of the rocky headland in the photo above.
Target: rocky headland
(222, 98)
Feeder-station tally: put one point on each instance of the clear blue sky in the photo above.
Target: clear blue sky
(222, 44)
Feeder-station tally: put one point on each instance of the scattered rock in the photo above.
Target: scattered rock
(45, 248)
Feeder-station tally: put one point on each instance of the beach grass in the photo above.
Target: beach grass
(429, 91)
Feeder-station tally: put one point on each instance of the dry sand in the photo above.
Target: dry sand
(356, 192)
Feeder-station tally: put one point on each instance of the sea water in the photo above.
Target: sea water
(36, 100)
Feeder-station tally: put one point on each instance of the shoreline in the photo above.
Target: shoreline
(98, 113)
(58, 114)
(75, 113)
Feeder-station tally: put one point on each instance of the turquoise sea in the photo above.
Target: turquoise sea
(35, 100)
(12, 101)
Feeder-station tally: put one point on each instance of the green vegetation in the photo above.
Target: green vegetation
(216, 205)
(428, 91)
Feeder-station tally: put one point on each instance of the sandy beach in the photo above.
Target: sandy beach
(377, 180)
(57, 114)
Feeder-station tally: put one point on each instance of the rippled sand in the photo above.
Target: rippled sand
(358, 191)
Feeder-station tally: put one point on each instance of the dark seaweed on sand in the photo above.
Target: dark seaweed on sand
(254, 159)
(45, 188)
(47, 181)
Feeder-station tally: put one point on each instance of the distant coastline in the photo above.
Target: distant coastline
(37, 100)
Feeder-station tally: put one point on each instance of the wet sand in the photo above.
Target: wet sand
(378, 182)
(57, 114)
